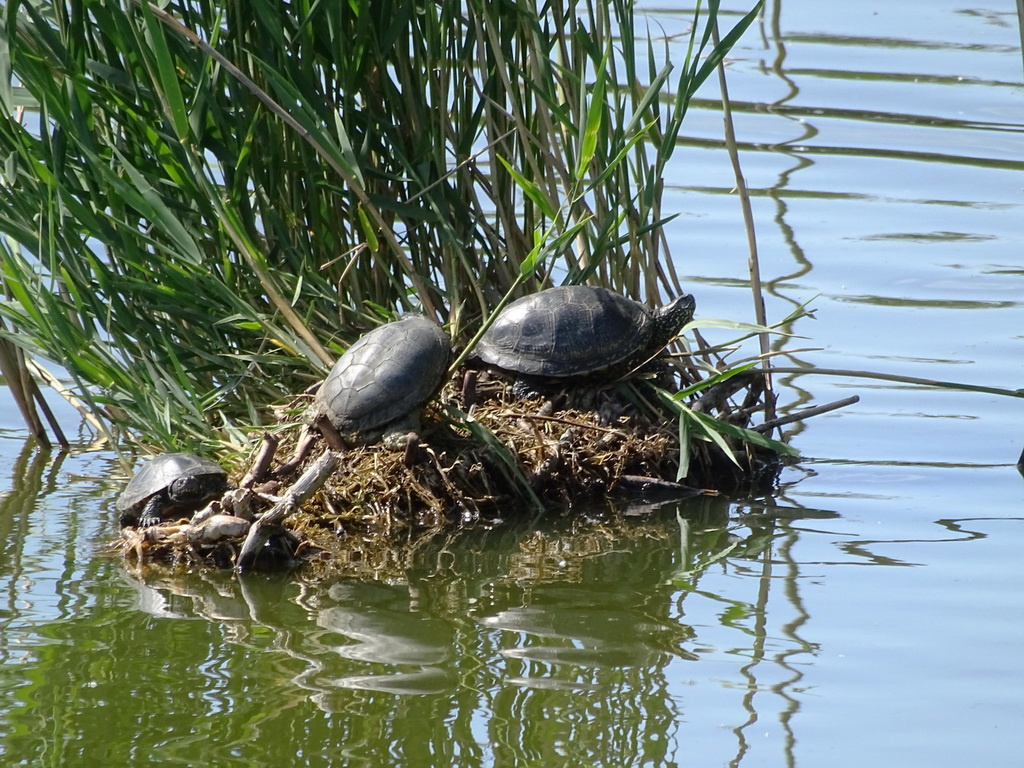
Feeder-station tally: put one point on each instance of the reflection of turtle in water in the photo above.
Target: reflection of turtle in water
(579, 330)
(173, 483)
(378, 386)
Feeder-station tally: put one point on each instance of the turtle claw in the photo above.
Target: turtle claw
(150, 515)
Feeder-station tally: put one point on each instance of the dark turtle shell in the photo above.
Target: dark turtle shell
(159, 473)
(388, 373)
(576, 330)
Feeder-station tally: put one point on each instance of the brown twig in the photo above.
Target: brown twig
(261, 467)
(308, 484)
(806, 413)
(570, 423)
(656, 486)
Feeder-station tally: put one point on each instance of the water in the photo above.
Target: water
(870, 614)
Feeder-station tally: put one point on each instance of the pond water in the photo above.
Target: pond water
(870, 613)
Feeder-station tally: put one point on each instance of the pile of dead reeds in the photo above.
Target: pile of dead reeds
(498, 461)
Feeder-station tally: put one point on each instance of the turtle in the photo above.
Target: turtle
(578, 330)
(377, 388)
(171, 483)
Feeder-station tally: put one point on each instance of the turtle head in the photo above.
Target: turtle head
(195, 489)
(668, 320)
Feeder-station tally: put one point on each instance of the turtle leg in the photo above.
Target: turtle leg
(400, 433)
(526, 387)
(151, 512)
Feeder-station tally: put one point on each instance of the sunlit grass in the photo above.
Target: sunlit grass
(208, 201)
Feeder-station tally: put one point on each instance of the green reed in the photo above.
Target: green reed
(205, 201)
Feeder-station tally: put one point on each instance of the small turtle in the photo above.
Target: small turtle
(376, 389)
(578, 330)
(172, 483)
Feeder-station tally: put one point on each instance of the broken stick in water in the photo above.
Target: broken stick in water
(806, 413)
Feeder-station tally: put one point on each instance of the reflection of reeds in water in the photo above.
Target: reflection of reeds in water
(587, 626)
(579, 595)
(463, 636)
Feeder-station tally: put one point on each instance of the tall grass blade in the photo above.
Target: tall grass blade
(213, 200)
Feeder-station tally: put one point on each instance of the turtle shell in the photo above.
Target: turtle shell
(158, 473)
(567, 331)
(388, 373)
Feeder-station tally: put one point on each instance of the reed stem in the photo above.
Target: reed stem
(753, 263)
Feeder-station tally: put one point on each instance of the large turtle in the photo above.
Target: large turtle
(376, 389)
(579, 330)
(172, 483)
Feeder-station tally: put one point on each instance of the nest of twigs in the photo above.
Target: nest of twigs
(510, 457)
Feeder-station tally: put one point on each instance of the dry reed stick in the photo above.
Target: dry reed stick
(753, 263)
